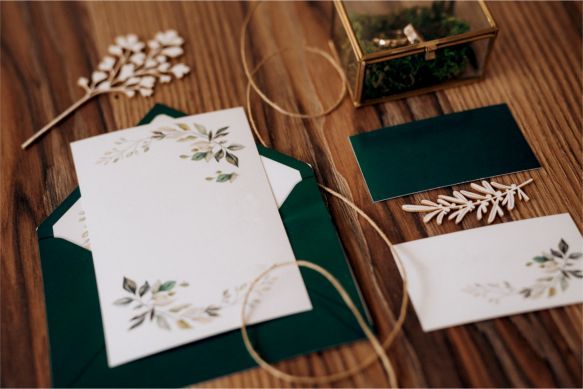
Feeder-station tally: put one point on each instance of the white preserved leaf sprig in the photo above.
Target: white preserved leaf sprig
(488, 199)
(131, 67)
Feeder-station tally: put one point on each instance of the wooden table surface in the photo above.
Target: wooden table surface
(535, 68)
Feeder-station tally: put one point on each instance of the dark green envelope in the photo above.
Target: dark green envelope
(442, 151)
(77, 347)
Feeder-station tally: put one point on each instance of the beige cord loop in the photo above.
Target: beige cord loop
(380, 349)
(380, 352)
(309, 49)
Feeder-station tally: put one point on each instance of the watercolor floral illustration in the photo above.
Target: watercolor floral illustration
(558, 271)
(160, 303)
(202, 145)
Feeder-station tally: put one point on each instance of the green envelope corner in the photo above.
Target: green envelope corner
(77, 347)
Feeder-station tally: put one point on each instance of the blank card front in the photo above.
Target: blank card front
(442, 151)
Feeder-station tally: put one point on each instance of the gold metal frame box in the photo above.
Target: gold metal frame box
(395, 49)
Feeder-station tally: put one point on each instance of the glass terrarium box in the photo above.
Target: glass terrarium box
(395, 49)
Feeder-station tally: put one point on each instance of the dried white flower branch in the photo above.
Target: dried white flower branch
(130, 67)
(493, 195)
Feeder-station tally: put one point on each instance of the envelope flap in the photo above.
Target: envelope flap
(304, 169)
(159, 109)
(45, 229)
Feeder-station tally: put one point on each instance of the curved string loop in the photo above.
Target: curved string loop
(379, 347)
(309, 49)
(379, 350)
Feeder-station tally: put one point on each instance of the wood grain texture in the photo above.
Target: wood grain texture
(536, 68)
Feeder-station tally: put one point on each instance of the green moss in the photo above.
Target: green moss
(412, 72)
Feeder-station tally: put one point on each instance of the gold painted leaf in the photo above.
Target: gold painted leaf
(235, 147)
(183, 324)
(552, 291)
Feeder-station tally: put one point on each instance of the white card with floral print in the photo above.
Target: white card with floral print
(494, 271)
(181, 217)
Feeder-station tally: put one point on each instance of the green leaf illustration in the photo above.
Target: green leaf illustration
(144, 288)
(138, 319)
(123, 301)
(563, 246)
(201, 129)
(212, 310)
(166, 309)
(129, 285)
(167, 286)
(204, 145)
(198, 156)
(179, 308)
(541, 259)
(564, 284)
(219, 155)
(187, 138)
(558, 272)
(232, 159)
(162, 323)
(221, 132)
(224, 177)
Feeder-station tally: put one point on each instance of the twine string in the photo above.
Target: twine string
(379, 348)
(309, 49)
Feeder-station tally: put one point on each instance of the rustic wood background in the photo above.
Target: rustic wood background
(536, 68)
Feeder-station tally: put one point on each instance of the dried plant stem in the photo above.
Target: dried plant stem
(55, 121)
(488, 198)
(130, 69)
(498, 196)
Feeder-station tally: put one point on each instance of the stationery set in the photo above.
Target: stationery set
(146, 266)
(178, 214)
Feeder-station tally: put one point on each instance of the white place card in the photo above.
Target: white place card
(181, 217)
(494, 271)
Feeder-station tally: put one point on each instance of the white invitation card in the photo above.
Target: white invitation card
(494, 271)
(181, 217)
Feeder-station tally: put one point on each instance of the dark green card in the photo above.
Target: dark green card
(77, 347)
(442, 151)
